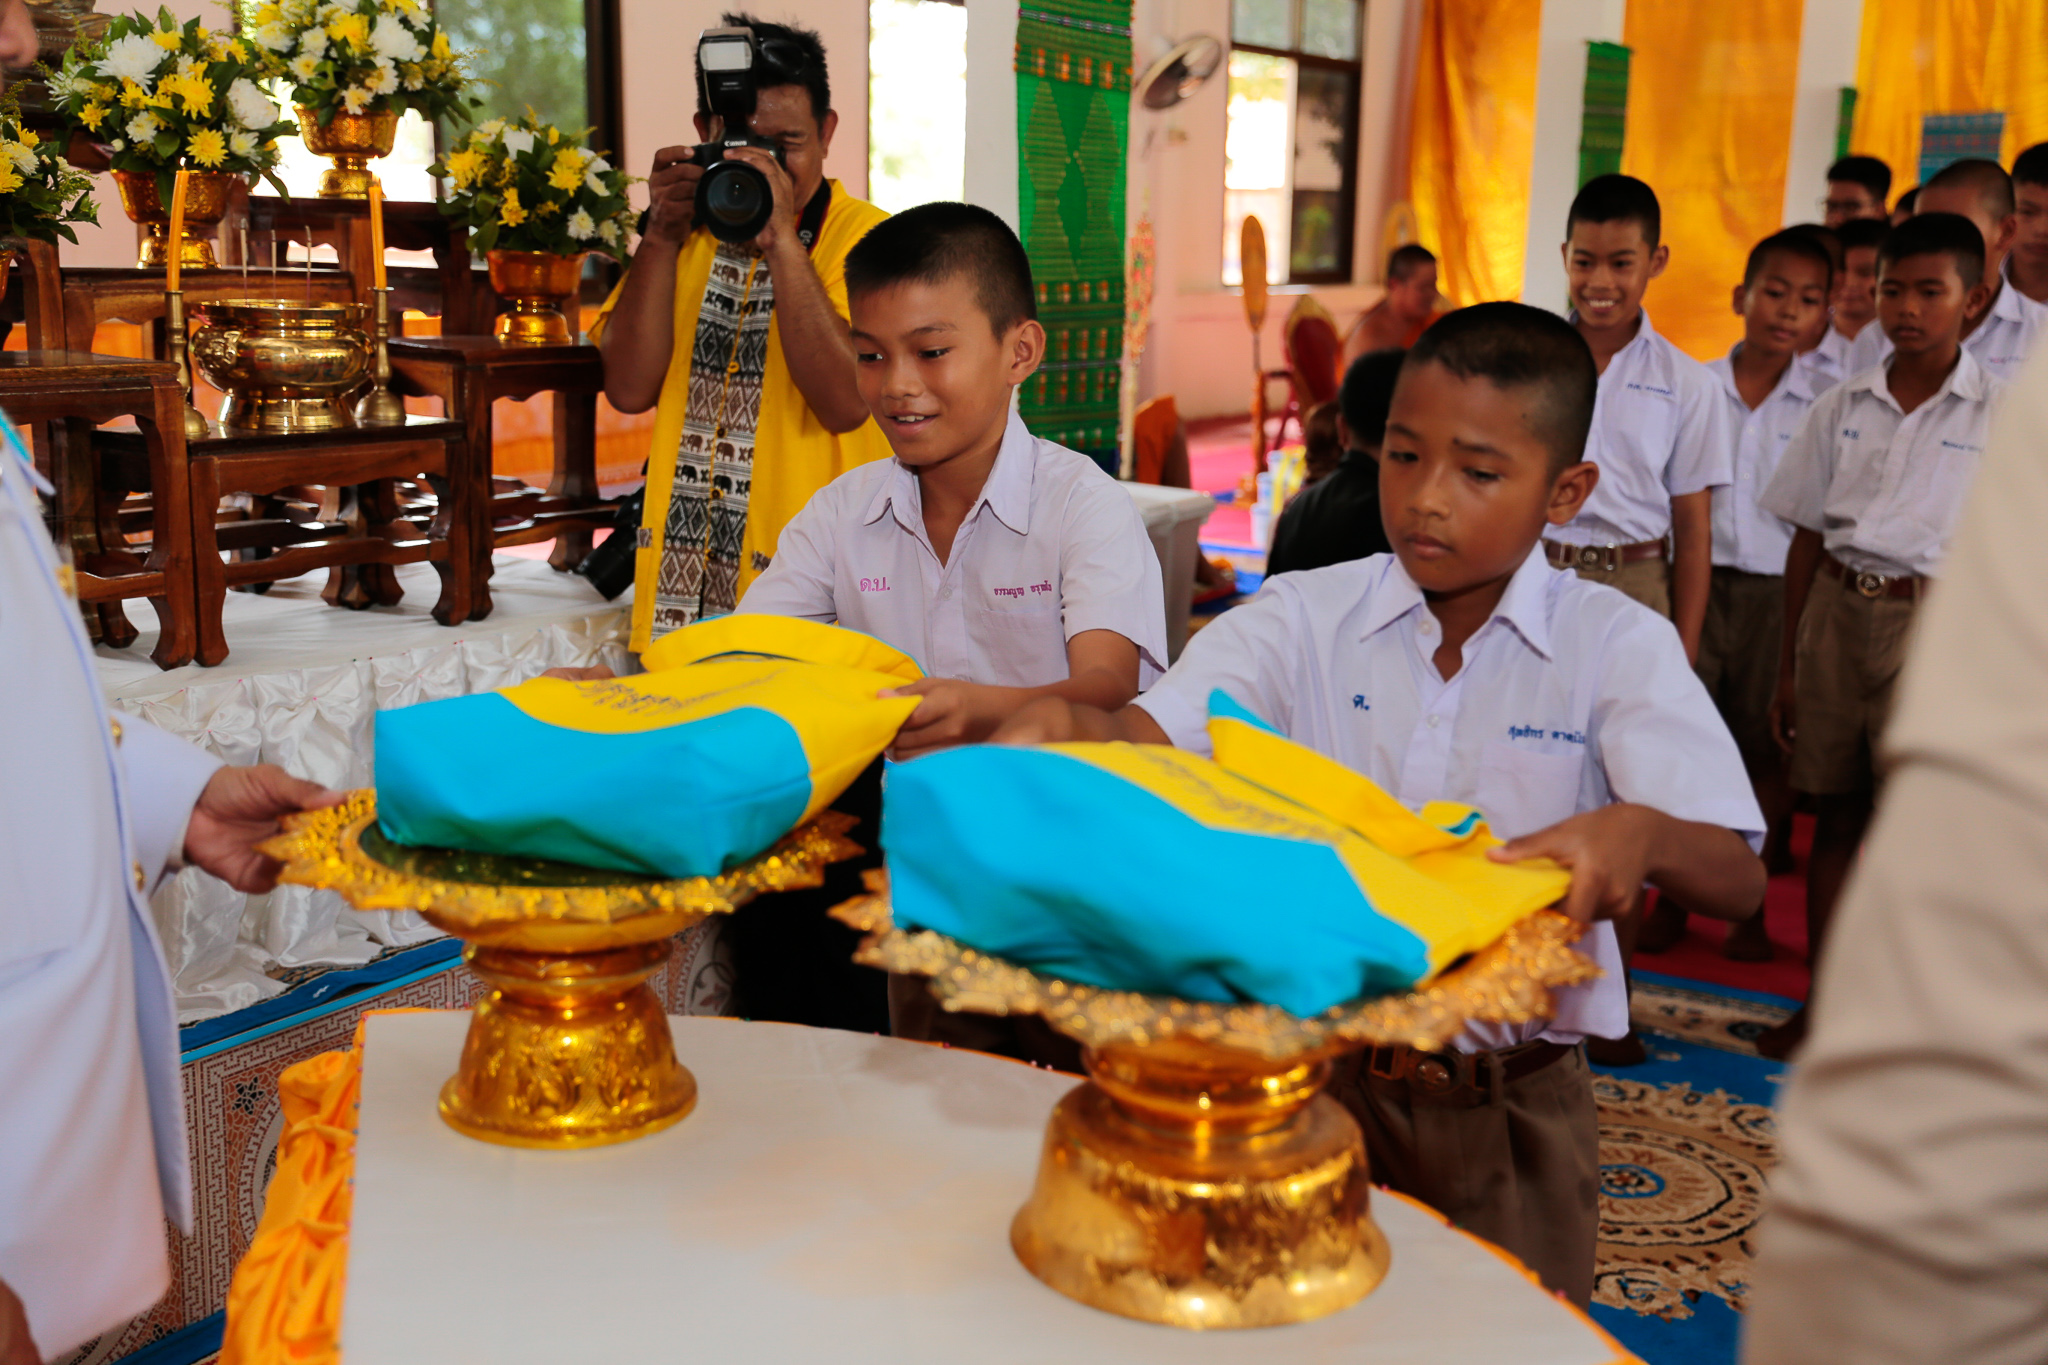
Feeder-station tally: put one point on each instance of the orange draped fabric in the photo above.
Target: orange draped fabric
(1710, 128)
(284, 1303)
(1474, 141)
(1922, 57)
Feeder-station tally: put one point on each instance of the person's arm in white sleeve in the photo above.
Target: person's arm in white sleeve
(165, 776)
(1798, 489)
(798, 581)
(1109, 575)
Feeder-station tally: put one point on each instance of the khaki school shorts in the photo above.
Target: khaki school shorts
(1739, 646)
(1850, 650)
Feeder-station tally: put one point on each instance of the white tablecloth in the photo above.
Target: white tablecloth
(300, 688)
(835, 1197)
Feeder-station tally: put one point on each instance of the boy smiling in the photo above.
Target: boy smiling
(1463, 667)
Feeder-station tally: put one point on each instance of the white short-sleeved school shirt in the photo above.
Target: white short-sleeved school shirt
(1746, 537)
(1828, 363)
(1660, 431)
(2001, 343)
(1052, 547)
(1883, 486)
(1570, 697)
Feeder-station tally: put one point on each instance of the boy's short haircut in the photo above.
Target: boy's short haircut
(1513, 346)
(1986, 179)
(1795, 242)
(1867, 171)
(1617, 199)
(2031, 166)
(1907, 201)
(1937, 234)
(1830, 242)
(1403, 261)
(784, 54)
(1367, 392)
(936, 242)
(1858, 233)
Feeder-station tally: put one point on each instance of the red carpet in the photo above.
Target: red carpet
(1698, 957)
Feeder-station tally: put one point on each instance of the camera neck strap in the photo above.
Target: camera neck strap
(812, 220)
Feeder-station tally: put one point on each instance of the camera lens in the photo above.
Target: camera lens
(734, 201)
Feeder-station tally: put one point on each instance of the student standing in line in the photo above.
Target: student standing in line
(2004, 331)
(1857, 187)
(1874, 481)
(1855, 302)
(1463, 667)
(1768, 390)
(2026, 269)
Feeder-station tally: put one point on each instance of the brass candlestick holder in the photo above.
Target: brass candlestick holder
(380, 407)
(571, 1047)
(1199, 1178)
(174, 328)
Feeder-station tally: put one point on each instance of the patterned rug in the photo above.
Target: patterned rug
(1687, 1142)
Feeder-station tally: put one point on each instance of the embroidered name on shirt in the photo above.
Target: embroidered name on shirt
(1649, 388)
(1958, 445)
(1851, 434)
(874, 585)
(1032, 588)
(1541, 732)
(1359, 703)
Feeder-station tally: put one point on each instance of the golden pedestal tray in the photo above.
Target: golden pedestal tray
(1199, 1178)
(571, 1048)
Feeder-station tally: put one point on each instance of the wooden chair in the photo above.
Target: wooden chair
(1312, 349)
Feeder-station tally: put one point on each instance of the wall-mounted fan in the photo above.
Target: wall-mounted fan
(1179, 73)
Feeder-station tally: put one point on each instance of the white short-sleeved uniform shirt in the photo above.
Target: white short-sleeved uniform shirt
(1746, 537)
(1828, 363)
(1659, 432)
(2001, 343)
(1883, 486)
(1570, 697)
(1052, 547)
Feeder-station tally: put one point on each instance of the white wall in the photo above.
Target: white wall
(1200, 349)
(1568, 25)
(1828, 38)
(991, 170)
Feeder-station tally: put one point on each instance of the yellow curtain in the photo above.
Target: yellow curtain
(1473, 142)
(1710, 127)
(1922, 57)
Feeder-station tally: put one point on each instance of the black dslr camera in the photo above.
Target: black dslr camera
(734, 200)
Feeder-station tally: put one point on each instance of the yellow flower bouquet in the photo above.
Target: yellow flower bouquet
(41, 194)
(363, 57)
(157, 94)
(528, 186)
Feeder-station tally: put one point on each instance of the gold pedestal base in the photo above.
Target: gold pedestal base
(569, 1050)
(260, 412)
(1202, 1187)
(533, 322)
(348, 178)
(195, 253)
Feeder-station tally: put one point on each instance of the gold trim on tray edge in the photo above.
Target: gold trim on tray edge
(1509, 981)
(322, 848)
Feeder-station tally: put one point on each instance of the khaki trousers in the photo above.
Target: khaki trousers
(1648, 581)
(1521, 1169)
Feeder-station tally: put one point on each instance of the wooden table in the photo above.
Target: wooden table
(92, 295)
(74, 391)
(468, 374)
(370, 531)
(462, 298)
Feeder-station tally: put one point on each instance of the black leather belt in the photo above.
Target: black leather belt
(1446, 1072)
(1605, 558)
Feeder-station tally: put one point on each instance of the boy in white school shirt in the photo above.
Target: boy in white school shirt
(2003, 329)
(1660, 434)
(1464, 667)
(1767, 387)
(1874, 481)
(1854, 307)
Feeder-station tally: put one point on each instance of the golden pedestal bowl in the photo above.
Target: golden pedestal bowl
(571, 1047)
(1200, 1178)
(352, 142)
(283, 366)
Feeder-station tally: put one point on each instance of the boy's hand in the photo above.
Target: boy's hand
(1608, 852)
(239, 809)
(1784, 713)
(594, 673)
(1049, 720)
(950, 712)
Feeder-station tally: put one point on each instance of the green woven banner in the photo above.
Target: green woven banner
(1605, 121)
(1073, 132)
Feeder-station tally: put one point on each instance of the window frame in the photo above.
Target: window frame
(1347, 233)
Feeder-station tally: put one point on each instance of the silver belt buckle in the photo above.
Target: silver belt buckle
(1871, 584)
(1592, 557)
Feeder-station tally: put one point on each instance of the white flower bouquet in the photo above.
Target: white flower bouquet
(363, 57)
(528, 186)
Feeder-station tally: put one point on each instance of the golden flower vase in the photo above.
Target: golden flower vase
(570, 1047)
(351, 142)
(534, 285)
(1200, 1178)
(284, 367)
(206, 203)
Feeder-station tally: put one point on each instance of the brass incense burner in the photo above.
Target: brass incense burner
(283, 366)
(571, 1047)
(1200, 1178)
